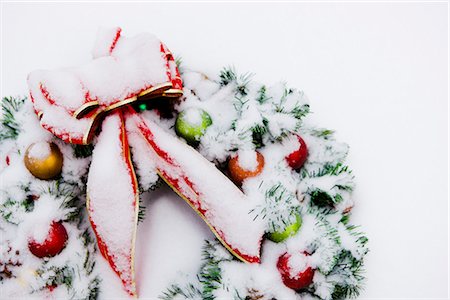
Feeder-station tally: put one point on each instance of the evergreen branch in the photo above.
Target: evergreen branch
(227, 75)
(262, 95)
(94, 289)
(67, 194)
(82, 151)
(141, 212)
(10, 127)
(179, 63)
(174, 292)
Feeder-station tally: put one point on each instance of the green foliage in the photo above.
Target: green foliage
(175, 291)
(262, 95)
(322, 199)
(210, 275)
(351, 269)
(82, 151)
(141, 212)
(258, 132)
(10, 127)
(280, 208)
(68, 196)
(58, 276)
(142, 207)
(9, 208)
(228, 75)
(94, 288)
(322, 133)
(341, 180)
(179, 63)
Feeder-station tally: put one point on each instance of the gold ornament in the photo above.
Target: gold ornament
(44, 160)
(26, 276)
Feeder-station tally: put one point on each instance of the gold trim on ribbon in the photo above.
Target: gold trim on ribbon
(85, 109)
(156, 90)
(173, 93)
(95, 121)
(203, 218)
(160, 90)
(120, 104)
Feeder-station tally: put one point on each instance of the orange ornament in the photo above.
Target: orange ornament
(239, 174)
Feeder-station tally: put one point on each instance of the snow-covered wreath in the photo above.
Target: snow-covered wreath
(272, 187)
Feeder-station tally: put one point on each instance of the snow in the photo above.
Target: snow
(142, 161)
(39, 151)
(291, 144)
(263, 278)
(193, 116)
(297, 263)
(37, 224)
(247, 159)
(105, 41)
(135, 63)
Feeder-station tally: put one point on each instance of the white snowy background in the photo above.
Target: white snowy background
(375, 72)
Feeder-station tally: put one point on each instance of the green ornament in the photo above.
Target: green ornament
(290, 230)
(192, 123)
(143, 106)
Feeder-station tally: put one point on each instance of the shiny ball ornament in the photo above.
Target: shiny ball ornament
(53, 244)
(142, 107)
(297, 158)
(191, 124)
(238, 173)
(44, 160)
(296, 280)
(289, 230)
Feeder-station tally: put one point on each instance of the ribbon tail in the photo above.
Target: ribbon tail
(113, 199)
(224, 208)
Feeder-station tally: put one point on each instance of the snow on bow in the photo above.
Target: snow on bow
(72, 102)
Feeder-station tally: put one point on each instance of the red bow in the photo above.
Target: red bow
(71, 103)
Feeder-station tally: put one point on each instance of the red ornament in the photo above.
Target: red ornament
(296, 281)
(54, 242)
(298, 157)
(51, 287)
(239, 174)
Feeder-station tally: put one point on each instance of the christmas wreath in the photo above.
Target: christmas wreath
(272, 187)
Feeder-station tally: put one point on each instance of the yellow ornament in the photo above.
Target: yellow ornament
(44, 160)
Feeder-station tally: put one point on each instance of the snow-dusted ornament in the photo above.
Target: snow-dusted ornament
(44, 160)
(73, 102)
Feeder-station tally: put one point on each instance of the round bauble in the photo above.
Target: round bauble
(53, 244)
(238, 173)
(289, 230)
(142, 107)
(191, 124)
(297, 158)
(44, 160)
(294, 279)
